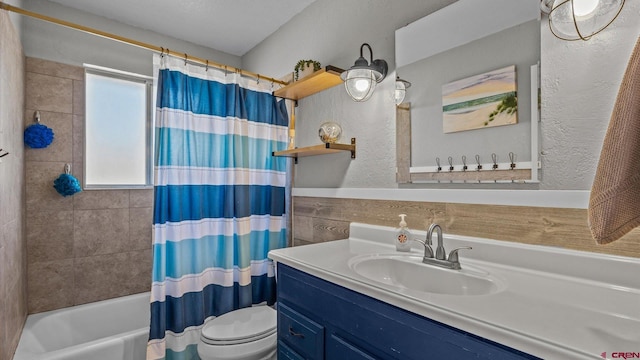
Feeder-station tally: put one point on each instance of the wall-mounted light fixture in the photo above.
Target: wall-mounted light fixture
(401, 89)
(361, 79)
(580, 19)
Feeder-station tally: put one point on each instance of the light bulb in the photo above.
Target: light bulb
(362, 84)
(582, 8)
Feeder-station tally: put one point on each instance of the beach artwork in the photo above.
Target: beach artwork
(480, 101)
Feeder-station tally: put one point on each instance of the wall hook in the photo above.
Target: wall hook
(438, 162)
(3, 155)
(450, 160)
(479, 167)
(185, 59)
(464, 163)
(494, 157)
(512, 158)
(206, 68)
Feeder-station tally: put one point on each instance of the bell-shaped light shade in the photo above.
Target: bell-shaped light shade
(360, 83)
(401, 90)
(581, 19)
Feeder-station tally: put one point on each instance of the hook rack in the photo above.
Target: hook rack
(492, 172)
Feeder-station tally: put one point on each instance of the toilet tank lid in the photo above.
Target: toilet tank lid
(241, 324)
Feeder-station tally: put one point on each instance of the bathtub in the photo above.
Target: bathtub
(115, 329)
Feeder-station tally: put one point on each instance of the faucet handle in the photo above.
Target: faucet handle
(453, 255)
(428, 250)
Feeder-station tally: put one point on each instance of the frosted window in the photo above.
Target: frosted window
(117, 138)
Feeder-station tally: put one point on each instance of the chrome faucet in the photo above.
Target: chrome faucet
(440, 253)
(449, 262)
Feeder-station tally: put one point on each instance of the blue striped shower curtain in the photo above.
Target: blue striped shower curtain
(219, 200)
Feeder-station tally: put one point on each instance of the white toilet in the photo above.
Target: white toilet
(244, 334)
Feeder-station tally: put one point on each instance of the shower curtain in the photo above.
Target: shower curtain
(219, 200)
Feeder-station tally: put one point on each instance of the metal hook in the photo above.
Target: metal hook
(512, 157)
(438, 162)
(494, 157)
(206, 68)
(450, 160)
(36, 116)
(464, 163)
(258, 81)
(479, 167)
(3, 155)
(185, 58)
(225, 71)
(161, 52)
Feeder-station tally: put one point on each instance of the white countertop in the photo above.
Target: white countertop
(553, 303)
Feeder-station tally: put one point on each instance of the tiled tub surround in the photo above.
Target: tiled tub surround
(13, 269)
(552, 303)
(94, 245)
(319, 219)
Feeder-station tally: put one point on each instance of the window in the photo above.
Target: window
(118, 130)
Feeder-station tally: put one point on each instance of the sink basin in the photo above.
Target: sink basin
(408, 272)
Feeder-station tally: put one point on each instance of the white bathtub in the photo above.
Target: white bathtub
(115, 329)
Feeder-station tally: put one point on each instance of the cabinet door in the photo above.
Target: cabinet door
(338, 349)
(299, 332)
(286, 353)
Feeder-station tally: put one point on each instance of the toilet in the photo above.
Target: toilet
(243, 334)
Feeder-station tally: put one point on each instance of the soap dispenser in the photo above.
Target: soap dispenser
(403, 236)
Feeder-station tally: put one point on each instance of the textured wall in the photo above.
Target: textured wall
(13, 270)
(56, 43)
(580, 82)
(331, 31)
(91, 246)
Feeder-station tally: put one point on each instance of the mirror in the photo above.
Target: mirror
(473, 66)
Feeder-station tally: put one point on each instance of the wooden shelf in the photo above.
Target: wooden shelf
(318, 150)
(311, 84)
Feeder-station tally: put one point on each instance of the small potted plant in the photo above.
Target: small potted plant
(304, 68)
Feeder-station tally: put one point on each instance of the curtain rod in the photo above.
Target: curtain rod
(137, 43)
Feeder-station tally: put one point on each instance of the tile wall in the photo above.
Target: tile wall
(13, 269)
(91, 246)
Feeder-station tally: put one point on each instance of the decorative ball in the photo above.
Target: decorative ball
(38, 136)
(67, 185)
(330, 132)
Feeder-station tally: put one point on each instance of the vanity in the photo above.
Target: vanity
(358, 298)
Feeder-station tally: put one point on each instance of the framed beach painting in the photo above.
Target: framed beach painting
(480, 101)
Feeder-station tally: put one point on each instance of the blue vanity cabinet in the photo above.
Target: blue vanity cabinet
(321, 320)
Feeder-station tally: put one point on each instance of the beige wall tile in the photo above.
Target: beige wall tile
(78, 139)
(40, 193)
(78, 97)
(140, 224)
(13, 254)
(141, 198)
(12, 190)
(104, 277)
(51, 68)
(60, 150)
(49, 235)
(98, 232)
(49, 93)
(50, 285)
(101, 199)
